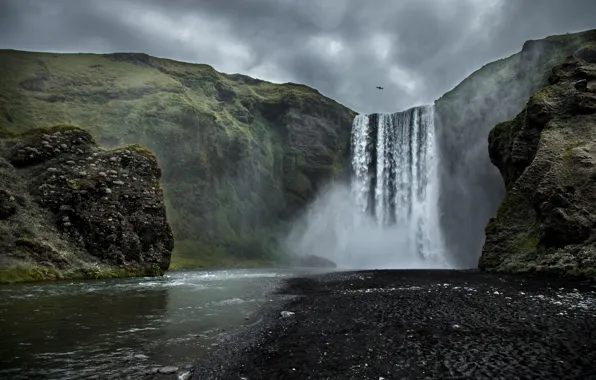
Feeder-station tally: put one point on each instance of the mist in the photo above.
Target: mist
(335, 228)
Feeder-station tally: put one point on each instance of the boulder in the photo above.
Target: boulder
(82, 209)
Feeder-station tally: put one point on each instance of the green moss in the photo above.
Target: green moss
(195, 255)
(542, 96)
(28, 273)
(528, 242)
(24, 272)
(80, 183)
(5, 132)
(507, 207)
(566, 154)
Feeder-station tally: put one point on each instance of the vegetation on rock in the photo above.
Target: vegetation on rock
(239, 156)
(547, 158)
(471, 187)
(69, 209)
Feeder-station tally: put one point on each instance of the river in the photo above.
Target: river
(103, 328)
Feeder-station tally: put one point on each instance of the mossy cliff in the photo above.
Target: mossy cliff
(547, 158)
(69, 209)
(471, 187)
(239, 155)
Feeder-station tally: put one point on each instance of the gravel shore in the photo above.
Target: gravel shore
(416, 324)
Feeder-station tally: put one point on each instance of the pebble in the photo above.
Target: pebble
(168, 370)
(526, 337)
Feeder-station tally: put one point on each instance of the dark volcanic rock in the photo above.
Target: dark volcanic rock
(8, 205)
(419, 325)
(547, 157)
(105, 207)
(587, 54)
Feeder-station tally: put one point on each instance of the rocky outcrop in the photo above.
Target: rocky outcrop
(239, 156)
(547, 158)
(471, 187)
(70, 209)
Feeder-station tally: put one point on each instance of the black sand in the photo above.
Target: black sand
(417, 325)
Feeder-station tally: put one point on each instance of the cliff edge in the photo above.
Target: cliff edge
(547, 158)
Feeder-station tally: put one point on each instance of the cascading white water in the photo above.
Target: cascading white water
(393, 157)
(360, 160)
(387, 217)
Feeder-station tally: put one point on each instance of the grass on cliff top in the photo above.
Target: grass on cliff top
(36, 132)
(100, 91)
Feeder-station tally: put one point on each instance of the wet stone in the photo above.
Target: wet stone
(168, 370)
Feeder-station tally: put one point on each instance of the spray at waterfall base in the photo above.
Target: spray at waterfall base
(387, 217)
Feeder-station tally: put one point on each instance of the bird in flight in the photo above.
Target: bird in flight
(379, 87)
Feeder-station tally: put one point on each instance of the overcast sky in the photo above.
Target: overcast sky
(416, 49)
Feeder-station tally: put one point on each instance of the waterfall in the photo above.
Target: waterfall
(395, 178)
(387, 215)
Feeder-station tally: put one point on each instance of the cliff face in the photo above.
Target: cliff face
(471, 187)
(239, 155)
(69, 209)
(547, 158)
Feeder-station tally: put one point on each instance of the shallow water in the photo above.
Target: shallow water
(80, 329)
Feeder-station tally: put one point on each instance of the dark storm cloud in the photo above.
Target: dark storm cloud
(416, 49)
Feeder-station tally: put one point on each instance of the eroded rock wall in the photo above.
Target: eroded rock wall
(471, 187)
(71, 209)
(547, 158)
